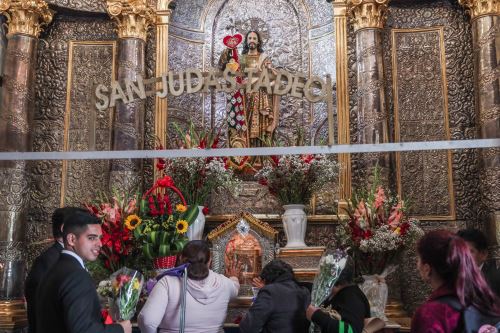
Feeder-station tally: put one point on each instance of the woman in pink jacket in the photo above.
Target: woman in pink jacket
(207, 297)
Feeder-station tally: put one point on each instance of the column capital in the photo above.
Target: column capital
(163, 11)
(26, 16)
(368, 13)
(339, 8)
(481, 7)
(133, 17)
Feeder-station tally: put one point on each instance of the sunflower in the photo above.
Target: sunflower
(132, 221)
(180, 208)
(182, 226)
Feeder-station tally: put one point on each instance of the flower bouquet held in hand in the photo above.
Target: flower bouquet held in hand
(165, 221)
(330, 267)
(126, 286)
(119, 219)
(377, 232)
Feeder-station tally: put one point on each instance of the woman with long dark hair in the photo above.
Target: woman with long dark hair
(207, 296)
(445, 262)
(280, 303)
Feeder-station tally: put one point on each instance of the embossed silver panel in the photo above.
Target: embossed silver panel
(83, 5)
(48, 131)
(422, 115)
(460, 86)
(86, 127)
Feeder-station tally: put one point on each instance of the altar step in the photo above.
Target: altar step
(13, 314)
(395, 313)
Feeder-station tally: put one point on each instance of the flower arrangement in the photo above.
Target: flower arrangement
(198, 177)
(330, 267)
(126, 287)
(293, 179)
(164, 221)
(119, 219)
(377, 228)
(105, 289)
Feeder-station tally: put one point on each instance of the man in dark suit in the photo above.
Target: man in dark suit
(44, 262)
(67, 300)
(478, 245)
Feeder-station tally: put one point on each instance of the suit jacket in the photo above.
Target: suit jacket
(280, 307)
(67, 301)
(492, 275)
(351, 304)
(40, 267)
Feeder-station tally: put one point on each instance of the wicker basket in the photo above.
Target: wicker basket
(164, 262)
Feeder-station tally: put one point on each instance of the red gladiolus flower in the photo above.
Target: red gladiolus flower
(307, 158)
(263, 181)
(404, 228)
(160, 165)
(203, 143)
(215, 143)
(205, 210)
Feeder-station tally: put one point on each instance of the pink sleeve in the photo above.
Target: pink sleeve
(234, 286)
(434, 317)
(153, 311)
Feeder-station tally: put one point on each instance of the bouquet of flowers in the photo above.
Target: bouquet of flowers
(198, 177)
(126, 285)
(377, 231)
(293, 179)
(164, 221)
(105, 289)
(330, 267)
(119, 219)
(377, 228)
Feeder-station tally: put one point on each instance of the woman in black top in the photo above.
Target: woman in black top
(348, 300)
(280, 303)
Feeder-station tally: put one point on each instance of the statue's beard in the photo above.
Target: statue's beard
(252, 46)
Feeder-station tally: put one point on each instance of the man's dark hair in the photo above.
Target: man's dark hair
(58, 219)
(77, 221)
(246, 47)
(276, 269)
(474, 236)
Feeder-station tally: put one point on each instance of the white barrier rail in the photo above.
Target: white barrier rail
(263, 151)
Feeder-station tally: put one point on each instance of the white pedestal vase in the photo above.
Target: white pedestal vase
(195, 230)
(295, 223)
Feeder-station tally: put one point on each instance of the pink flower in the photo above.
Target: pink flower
(395, 216)
(131, 206)
(307, 158)
(380, 198)
(361, 210)
(109, 213)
